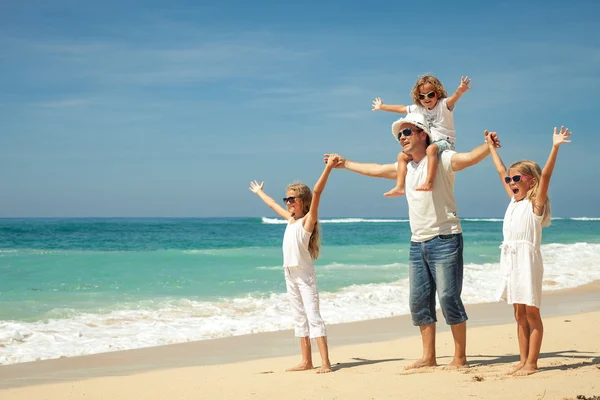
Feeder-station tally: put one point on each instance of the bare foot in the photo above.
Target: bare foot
(325, 368)
(300, 367)
(526, 370)
(457, 364)
(426, 187)
(515, 368)
(395, 192)
(422, 363)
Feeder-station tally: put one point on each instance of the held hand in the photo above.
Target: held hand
(561, 137)
(256, 187)
(340, 161)
(491, 138)
(333, 160)
(377, 104)
(464, 84)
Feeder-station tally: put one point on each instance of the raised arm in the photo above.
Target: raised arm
(500, 167)
(257, 188)
(461, 161)
(397, 108)
(558, 138)
(462, 89)
(313, 213)
(387, 171)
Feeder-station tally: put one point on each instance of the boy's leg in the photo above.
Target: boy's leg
(403, 160)
(432, 164)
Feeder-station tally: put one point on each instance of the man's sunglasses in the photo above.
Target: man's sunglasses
(429, 95)
(408, 132)
(516, 178)
(289, 199)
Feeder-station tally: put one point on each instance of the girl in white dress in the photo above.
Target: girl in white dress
(521, 267)
(300, 249)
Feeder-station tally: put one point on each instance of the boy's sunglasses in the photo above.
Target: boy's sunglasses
(516, 178)
(408, 132)
(429, 95)
(289, 199)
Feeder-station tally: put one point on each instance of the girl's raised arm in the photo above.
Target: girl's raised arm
(500, 167)
(558, 138)
(257, 188)
(313, 214)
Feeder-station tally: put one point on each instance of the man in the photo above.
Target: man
(436, 249)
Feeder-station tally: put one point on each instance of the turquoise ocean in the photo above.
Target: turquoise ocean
(82, 286)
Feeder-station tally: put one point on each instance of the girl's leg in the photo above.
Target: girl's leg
(535, 341)
(300, 320)
(310, 300)
(432, 164)
(403, 160)
(523, 332)
(306, 352)
(324, 351)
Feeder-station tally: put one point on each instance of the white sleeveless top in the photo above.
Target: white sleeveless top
(295, 245)
(521, 266)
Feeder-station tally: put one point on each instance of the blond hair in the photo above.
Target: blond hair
(531, 168)
(303, 192)
(433, 81)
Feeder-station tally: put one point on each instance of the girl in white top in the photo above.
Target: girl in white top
(521, 267)
(432, 101)
(300, 248)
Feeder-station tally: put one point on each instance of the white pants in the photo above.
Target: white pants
(301, 283)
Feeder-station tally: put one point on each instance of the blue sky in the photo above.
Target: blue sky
(148, 108)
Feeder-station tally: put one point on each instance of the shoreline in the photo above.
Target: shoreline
(266, 345)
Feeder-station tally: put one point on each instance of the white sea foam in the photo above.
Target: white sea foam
(483, 219)
(69, 333)
(266, 220)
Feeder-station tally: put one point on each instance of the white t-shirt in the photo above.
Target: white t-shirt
(295, 245)
(432, 213)
(440, 118)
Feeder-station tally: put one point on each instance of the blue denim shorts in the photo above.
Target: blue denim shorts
(443, 145)
(436, 265)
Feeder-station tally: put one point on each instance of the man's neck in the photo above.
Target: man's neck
(418, 156)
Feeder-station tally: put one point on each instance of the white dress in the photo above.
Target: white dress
(521, 266)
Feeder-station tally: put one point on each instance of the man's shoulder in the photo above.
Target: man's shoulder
(446, 156)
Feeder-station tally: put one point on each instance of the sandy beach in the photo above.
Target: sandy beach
(369, 358)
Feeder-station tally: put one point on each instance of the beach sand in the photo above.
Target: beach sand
(369, 358)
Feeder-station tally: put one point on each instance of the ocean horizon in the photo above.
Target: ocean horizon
(74, 286)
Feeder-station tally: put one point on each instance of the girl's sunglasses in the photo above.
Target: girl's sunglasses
(429, 95)
(408, 132)
(289, 199)
(516, 178)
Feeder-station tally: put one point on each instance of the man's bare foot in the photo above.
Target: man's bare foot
(458, 364)
(300, 367)
(515, 368)
(422, 363)
(395, 192)
(325, 368)
(426, 187)
(526, 370)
